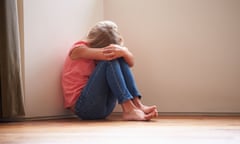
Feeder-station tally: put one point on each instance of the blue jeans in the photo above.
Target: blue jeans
(111, 81)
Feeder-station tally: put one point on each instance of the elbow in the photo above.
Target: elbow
(131, 64)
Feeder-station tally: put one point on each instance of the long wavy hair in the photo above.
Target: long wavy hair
(103, 34)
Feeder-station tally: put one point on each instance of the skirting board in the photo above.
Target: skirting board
(160, 114)
(182, 114)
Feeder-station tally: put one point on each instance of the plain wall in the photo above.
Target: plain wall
(187, 52)
(50, 28)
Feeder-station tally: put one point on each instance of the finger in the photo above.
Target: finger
(108, 50)
(114, 46)
(111, 46)
(109, 56)
(108, 47)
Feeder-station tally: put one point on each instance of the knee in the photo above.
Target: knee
(116, 61)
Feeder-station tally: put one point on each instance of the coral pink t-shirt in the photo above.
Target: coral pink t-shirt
(75, 76)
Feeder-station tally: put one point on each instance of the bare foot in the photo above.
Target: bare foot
(148, 109)
(137, 115)
(151, 115)
(138, 112)
(144, 108)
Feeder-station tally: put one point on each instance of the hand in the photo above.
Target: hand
(114, 51)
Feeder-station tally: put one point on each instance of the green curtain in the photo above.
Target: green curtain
(11, 98)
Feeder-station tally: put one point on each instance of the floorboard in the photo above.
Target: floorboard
(162, 130)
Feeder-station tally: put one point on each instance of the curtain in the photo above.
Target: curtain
(11, 98)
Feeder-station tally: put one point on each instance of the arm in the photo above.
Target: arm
(107, 53)
(128, 56)
(84, 51)
(119, 51)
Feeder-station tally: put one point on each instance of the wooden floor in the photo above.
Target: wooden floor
(163, 130)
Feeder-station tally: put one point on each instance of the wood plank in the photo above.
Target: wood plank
(164, 129)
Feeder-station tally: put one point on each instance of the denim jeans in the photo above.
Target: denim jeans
(111, 81)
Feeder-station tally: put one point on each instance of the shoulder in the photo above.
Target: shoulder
(79, 43)
(78, 48)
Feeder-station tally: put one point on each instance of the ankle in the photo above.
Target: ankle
(137, 102)
(128, 106)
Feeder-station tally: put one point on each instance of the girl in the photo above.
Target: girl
(97, 73)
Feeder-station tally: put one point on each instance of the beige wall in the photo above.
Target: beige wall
(187, 51)
(50, 28)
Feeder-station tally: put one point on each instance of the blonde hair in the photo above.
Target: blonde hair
(103, 34)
